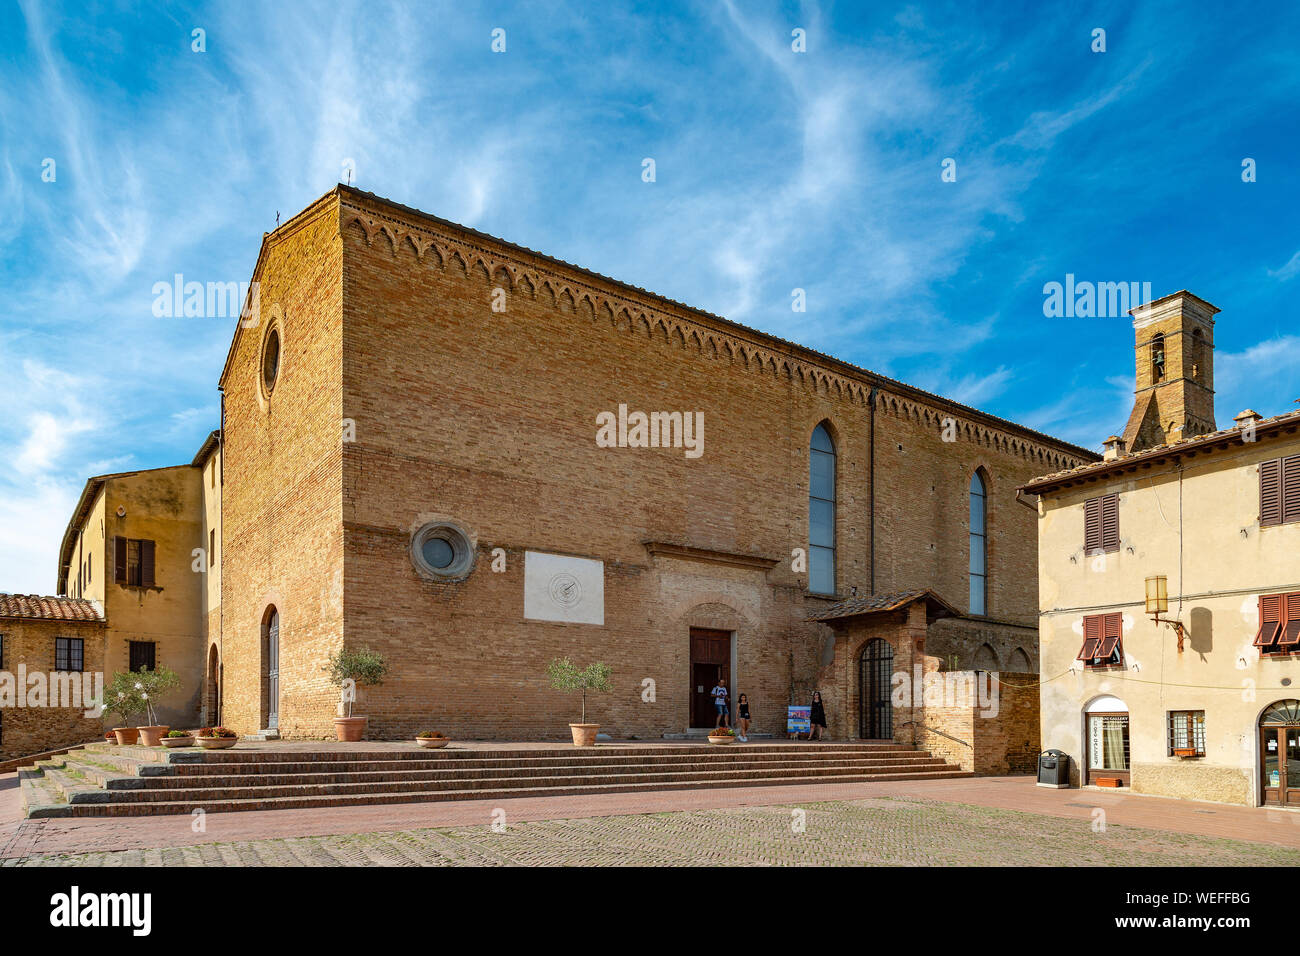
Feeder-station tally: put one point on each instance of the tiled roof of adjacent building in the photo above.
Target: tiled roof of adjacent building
(882, 603)
(37, 607)
(1222, 438)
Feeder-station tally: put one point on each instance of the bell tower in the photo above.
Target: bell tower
(1174, 351)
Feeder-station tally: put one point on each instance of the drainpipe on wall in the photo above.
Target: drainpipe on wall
(871, 492)
(221, 520)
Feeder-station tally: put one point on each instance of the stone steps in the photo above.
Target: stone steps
(239, 780)
(279, 788)
(487, 767)
(128, 781)
(283, 803)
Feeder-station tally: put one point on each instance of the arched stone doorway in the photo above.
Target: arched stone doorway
(875, 673)
(1279, 753)
(271, 668)
(212, 689)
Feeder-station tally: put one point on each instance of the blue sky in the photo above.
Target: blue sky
(775, 170)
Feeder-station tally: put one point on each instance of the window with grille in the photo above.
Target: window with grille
(1187, 733)
(69, 654)
(143, 654)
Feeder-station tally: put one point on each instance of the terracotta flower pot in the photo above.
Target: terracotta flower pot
(217, 743)
(110, 738)
(722, 739)
(126, 735)
(584, 735)
(178, 741)
(152, 736)
(433, 743)
(349, 729)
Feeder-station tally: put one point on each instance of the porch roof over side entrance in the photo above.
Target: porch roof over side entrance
(935, 606)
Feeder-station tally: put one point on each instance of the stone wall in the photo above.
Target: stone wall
(30, 729)
(987, 740)
(282, 529)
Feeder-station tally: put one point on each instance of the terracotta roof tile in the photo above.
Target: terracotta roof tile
(879, 603)
(1222, 436)
(41, 608)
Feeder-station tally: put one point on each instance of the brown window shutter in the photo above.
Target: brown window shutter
(146, 564)
(119, 559)
(1290, 489)
(1091, 529)
(1110, 523)
(1112, 629)
(1270, 492)
(1092, 635)
(1290, 636)
(1272, 609)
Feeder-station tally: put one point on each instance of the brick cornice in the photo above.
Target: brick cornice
(444, 245)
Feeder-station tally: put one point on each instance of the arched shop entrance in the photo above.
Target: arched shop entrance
(1279, 753)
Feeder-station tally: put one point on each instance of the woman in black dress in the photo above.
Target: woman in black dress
(817, 723)
(742, 713)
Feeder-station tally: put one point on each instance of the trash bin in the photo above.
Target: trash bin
(1054, 769)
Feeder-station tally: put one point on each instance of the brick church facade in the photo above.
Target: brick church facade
(474, 458)
(413, 462)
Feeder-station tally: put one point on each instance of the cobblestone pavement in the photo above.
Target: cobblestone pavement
(884, 831)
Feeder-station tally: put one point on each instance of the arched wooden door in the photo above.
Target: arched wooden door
(875, 712)
(1279, 753)
(273, 669)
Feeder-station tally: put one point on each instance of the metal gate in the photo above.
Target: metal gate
(273, 671)
(875, 713)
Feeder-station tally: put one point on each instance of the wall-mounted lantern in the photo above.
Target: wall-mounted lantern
(1158, 603)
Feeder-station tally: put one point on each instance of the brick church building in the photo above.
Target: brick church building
(474, 458)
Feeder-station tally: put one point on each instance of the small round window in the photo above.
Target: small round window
(271, 360)
(441, 550)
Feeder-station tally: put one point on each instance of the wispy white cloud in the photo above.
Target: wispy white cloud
(1244, 378)
(1288, 271)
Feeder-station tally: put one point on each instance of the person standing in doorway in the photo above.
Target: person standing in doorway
(720, 702)
(742, 715)
(817, 721)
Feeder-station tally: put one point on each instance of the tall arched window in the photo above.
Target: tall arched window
(1158, 357)
(821, 512)
(979, 571)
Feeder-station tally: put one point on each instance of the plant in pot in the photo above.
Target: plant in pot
(348, 671)
(121, 698)
(722, 735)
(217, 738)
(566, 676)
(153, 685)
(432, 739)
(178, 738)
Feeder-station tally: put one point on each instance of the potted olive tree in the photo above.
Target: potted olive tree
(122, 699)
(153, 686)
(348, 671)
(566, 676)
